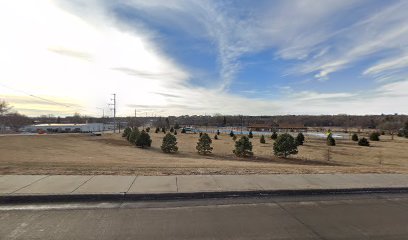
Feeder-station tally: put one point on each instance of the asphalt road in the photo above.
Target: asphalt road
(378, 216)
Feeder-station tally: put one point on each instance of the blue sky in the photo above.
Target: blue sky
(205, 57)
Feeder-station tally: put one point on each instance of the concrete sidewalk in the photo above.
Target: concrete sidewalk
(70, 187)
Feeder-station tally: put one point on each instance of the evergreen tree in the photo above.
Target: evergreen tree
(262, 139)
(330, 141)
(300, 138)
(169, 144)
(143, 140)
(224, 122)
(274, 136)
(405, 130)
(363, 142)
(232, 134)
(163, 130)
(134, 135)
(250, 135)
(354, 137)
(285, 145)
(126, 132)
(375, 136)
(204, 144)
(243, 147)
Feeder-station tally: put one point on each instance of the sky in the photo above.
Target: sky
(191, 57)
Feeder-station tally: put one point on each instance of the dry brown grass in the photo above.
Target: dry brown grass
(110, 154)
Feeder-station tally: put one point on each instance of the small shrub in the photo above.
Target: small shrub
(330, 141)
(216, 137)
(375, 136)
(363, 142)
(163, 130)
(175, 132)
(250, 135)
(157, 130)
(169, 144)
(354, 137)
(300, 138)
(143, 140)
(201, 134)
(176, 126)
(274, 136)
(148, 129)
(232, 134)
(126, 132)
(234, 137)
(262, 139)
(171, 129)
(204, 144)
(243, 147)
(183, 130)
(285, 145)
(218, 132)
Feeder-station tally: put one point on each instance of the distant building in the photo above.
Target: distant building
(65, 127)
(283, 127)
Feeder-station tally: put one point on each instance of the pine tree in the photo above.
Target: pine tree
(262, 139)
(300, 138)
(169, 144)
(134, 135)
(284, 146)
(204, 144)
(126, 132)
(354, 137)
(363, 142)
(243, 147)
(143, 140)
(375, 136)
(330, 141)
(274, 136)
(250, 135)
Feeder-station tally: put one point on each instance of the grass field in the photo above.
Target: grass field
(111, 154)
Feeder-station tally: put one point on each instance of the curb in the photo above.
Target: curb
(122, 197)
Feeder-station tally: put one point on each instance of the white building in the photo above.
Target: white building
(65, 127)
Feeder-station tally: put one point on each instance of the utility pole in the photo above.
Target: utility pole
(114, 111)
